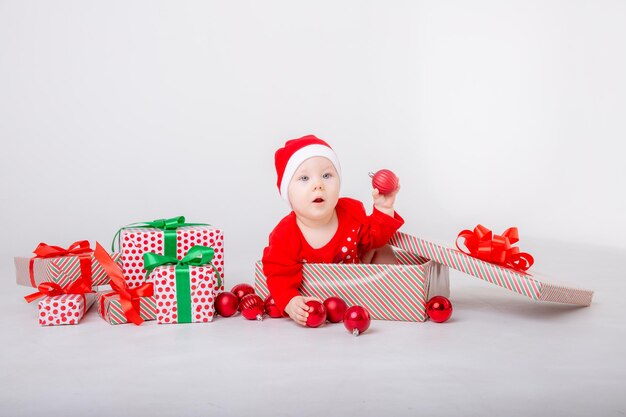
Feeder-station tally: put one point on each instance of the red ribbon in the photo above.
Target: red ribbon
(497, 249)
(103, 299)
(79, 248)
(81, 286)
(129, 297)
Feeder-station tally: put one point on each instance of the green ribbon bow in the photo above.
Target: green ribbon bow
(168, 226)
(196, 256)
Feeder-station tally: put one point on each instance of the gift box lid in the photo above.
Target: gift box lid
(531, 285)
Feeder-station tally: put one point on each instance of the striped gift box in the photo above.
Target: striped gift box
(388, 292)
(110, 309)
(62, 270)
(532, 286)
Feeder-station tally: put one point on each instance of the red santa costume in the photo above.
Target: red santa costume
(288, 249)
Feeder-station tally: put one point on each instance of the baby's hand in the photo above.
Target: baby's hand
(385, 202)
(298, 310)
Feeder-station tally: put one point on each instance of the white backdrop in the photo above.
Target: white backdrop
(501, 113)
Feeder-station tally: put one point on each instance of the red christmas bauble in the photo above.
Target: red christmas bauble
(241, 290)
(439, 309)
(271, 309)
(252, 307)
(335, 309)
(317, 314)
(226, 304)
(357, 320)
(385, 181)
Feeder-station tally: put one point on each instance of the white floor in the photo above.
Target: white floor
(501, 354)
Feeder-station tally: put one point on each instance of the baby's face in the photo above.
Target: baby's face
(314, 189)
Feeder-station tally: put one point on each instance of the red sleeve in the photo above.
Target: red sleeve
(282, 265)
(378, 228)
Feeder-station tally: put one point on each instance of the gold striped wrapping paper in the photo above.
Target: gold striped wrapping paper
(62, 270)
(532, 286)
(388, 292)
(111, 309)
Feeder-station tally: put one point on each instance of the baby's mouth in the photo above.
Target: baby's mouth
(318, 200)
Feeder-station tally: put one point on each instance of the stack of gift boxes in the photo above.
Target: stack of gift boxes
(165, 270)
(171, 271)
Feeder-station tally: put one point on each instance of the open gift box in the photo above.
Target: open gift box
(400, 292)
(530, 285)
(389, 292)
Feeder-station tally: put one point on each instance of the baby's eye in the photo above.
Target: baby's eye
(327, 175)
(304, 178)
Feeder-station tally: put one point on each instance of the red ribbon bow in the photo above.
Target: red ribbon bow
(79, 248)
(497, 249)
(129, 297)
(48, 251)
(81, 286)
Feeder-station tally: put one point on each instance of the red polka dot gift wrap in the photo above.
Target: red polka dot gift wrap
(134, 242)
(186, 299)
(64, 309)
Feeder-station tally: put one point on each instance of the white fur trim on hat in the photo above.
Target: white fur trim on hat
(299, 157)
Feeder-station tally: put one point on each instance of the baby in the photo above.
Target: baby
(322, 228)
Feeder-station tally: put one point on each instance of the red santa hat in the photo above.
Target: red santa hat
(288, 158)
